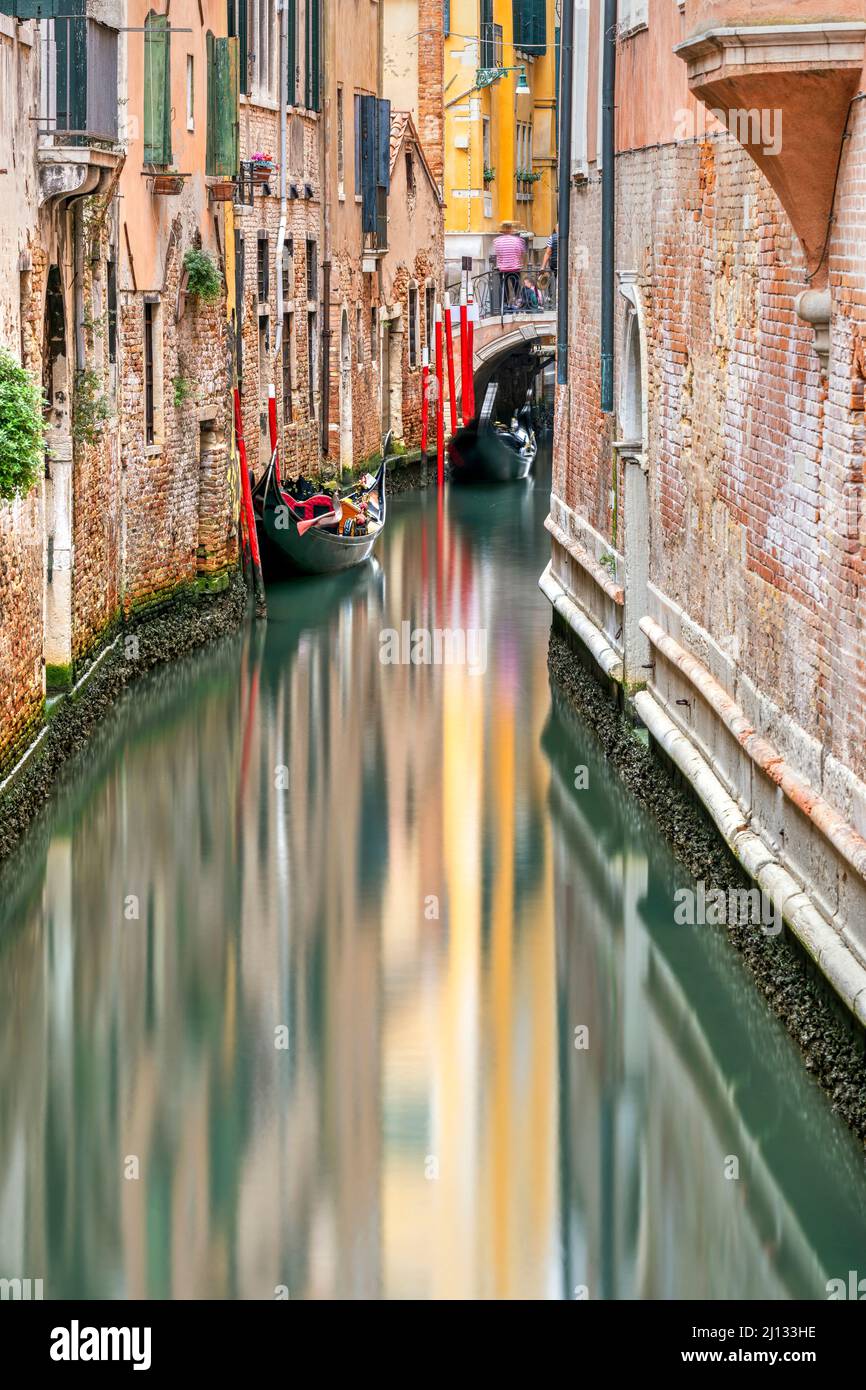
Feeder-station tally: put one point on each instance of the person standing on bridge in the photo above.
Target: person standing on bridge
(509, 252)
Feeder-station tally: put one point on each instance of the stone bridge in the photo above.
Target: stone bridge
(498, 338)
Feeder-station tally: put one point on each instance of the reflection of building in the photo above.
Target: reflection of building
(682, 1070)
(500, 145)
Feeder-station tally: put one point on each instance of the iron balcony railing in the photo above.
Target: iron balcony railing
(79, 92)
(530, 291)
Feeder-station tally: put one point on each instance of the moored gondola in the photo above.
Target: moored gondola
(486, 451)
(322, 534)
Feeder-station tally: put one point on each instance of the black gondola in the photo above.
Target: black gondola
(486, 451)
(322, 534)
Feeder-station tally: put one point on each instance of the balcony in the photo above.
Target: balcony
(78, 117)
(782, 87)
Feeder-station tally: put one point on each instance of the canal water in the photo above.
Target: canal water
(322, 977)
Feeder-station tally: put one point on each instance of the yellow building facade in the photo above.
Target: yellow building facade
(500, 143)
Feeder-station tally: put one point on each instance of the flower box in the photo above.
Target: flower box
(221, 190)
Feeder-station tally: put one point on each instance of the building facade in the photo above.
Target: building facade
(708, 537)
(500, 143)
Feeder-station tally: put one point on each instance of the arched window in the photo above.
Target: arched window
(631, 399)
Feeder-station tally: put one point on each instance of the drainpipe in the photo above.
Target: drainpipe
(325, 177)
(281, 230)
(608, 202)
(566, 68)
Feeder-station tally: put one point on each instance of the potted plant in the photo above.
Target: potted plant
(203, 279)
(262, 166)
(21, 429)
(166, 182)
(489, 175)
(221, 190)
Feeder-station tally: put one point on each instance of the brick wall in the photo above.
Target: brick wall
(300, 434)
(756, 519)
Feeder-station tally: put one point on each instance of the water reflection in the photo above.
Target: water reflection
(387, 867)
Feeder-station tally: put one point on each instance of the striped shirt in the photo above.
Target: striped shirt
(508, 251)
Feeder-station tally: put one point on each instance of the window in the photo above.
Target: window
(264, 55)
(631, 15)
(288, 270)
(485, 141)
(359, 335)
(311, 361)
(374, 335)
(357, 115)
(237, 29)
(413, 326)
(487, 38)
(190, 93)
(341, 148)
(152, 373)
(288, 343)
(264, 382)
(523, 154)
(312, 271)
(111, 297)
(263, 278)
(410, 172)
(373, 165)
(157, 90)
(429, 312)
(312, 46)
(240, 252)
(580, 91)
(530, 26)
(221, 157)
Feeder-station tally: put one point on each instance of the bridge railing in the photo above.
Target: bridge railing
(500, 294)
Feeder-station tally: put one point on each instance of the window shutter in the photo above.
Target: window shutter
(312, 98)
(384, 142)
(237, 29)
(157, 95)
(369, 162)
(539, 37)
(292, 76)
(222, 107)
(446, 17)
(32, 9)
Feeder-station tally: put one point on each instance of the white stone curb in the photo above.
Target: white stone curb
(839, 966)
(591, 636)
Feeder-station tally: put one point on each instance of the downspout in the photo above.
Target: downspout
(325, 175)
(566, 72)
(281, 230)
(608, 202)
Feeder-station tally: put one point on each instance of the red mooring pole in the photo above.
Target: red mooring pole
(440, 401)
(272, 430)
(449, 348)
(464, 355)
(425, 398)
(247, 494)
(470, 352)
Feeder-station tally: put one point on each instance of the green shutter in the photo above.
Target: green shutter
(157, 90)
(237, 29)
(31, 9)
(222, 106)
(292, 64)
(312, 96)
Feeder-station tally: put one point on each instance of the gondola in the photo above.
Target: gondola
(322, 534)
(486, 451)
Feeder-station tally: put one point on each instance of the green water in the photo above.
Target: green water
(388, 869)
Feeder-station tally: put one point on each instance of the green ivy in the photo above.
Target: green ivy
(183, 390)
(21, 429)
(90, 409)
(204, 281)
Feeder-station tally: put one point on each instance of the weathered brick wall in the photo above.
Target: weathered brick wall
(300, 435)
(162, 481)
(756, 519)
(431, 77)
(22, 277)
